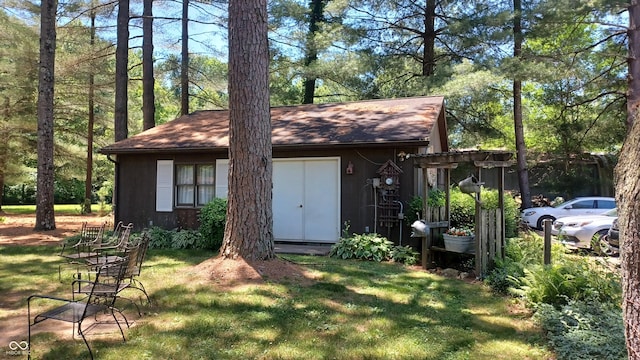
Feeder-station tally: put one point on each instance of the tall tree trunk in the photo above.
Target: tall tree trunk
(627, 190)
(148, 97)
(45, 219)
(316, 16)
(249, 228)
(122, 77)
(4, 134)
(89, 173)
(429, 54)
(521, 147)
(184, 70)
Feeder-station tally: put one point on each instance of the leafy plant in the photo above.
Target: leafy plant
(463, 209)
(436, 198)
(213, 217)
(404, 254)
(584, 329)
(362, 246)
(160, 238)
(186, 239)
(415, 210)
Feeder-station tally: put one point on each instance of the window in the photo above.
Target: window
(606, 204)
(586, 204)
(194, 184)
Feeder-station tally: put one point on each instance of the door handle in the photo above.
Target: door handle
(300, 205)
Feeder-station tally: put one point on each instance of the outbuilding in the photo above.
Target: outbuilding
(336, 167)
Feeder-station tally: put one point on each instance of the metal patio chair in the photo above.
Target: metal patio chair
(76, 311)
(74, 254)
(135, 255)
(113, 249)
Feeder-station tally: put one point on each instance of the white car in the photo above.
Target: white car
(580, 231)
(592, 205)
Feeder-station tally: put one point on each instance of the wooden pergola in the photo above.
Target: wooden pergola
(489, 224)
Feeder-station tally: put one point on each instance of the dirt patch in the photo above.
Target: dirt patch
(18, 229)
(233, 274)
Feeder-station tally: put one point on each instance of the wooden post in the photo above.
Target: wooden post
(427, 256)
(478, 230)
(500, 240)
(546, 224)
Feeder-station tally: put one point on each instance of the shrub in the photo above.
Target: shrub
(585, 329)
(566, 280)
(520, 254)
(186, 239)
(463, 209)
(213, 217)
(365, 246)
(404, 254)
(160, 238)
(437, 198)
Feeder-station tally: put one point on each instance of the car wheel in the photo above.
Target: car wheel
(542, 219)
(597, 241)
(605, 248)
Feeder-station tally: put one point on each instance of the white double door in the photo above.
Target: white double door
(306, 199)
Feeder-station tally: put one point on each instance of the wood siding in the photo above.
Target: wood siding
(137, 179)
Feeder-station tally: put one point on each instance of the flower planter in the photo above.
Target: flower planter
(460, 244)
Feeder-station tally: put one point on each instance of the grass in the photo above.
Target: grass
(355, 310)
(59, 209)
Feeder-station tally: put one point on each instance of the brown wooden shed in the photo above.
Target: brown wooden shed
(326, 160)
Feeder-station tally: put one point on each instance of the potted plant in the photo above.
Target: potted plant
(461, 240)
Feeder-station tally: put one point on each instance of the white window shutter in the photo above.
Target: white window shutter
(164, 186)
(222, 178)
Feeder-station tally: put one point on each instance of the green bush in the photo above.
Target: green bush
(437, 198)
(463, 209)
(213, 217)
(566, 280)
(187, 239)
(585, 329)
(404, 254)
(362, 246)
(160, 238)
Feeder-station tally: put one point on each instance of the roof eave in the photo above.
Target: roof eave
(319, 146)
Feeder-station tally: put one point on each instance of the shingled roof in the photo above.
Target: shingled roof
(406, 121)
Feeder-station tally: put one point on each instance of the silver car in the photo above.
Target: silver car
(580, 231)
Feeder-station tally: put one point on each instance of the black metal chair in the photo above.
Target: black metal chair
(135, 255)
(113, 249)
(96, 301)
(75, 254)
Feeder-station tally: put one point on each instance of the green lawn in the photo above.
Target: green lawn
(59, 209)
(355, 310)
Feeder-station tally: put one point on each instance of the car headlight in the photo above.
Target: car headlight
(529, 213)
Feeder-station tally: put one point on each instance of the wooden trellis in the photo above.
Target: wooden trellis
(489, 224)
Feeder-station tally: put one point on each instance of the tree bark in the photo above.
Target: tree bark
(428, 56)
(122, 77)
(89, 173)
(184, 70)
(45, 219)
(148, 82)
(521, 147)
(627, 191)
(249, 226)
(315, 17)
